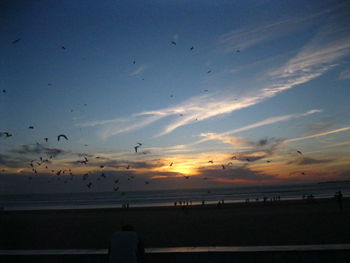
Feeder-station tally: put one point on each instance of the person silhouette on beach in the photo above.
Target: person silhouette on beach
(339, 197)
(126, 246)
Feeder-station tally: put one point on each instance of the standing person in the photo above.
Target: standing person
(339, 197)
(126, 246)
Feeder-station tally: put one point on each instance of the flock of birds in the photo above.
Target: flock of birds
(35, 164)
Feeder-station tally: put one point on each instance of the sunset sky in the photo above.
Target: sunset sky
(242, 84)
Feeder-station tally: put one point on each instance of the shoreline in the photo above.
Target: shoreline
(147, 206)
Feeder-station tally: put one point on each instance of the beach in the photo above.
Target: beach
(290, 222)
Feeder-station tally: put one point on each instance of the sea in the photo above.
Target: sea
(169, 197)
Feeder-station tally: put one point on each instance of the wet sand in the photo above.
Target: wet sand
(273, 223)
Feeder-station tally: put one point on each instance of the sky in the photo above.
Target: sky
(211, 93)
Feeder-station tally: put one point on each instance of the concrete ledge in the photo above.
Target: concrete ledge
(223, 249)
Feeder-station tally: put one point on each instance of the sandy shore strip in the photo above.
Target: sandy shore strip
(253, 224)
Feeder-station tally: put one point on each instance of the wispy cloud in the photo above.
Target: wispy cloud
(139, 70)
(309, 161)
(316, 127)
(252, 35)
(318, 134)
(316, 58)
(224, 137)
(344, 74)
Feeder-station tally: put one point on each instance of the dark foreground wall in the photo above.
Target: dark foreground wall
(329, 256)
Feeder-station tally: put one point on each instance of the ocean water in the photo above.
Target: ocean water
(167, 197)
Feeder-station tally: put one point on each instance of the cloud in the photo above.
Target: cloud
(344, 74)
(318, 135)
(12, 162)
(252, 35)
(313, 128)
(38, 149)
(224, 136)
(309, 160)
(237, 173)
(139, 70)
(314, 59)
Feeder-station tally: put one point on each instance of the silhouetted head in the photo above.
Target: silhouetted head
(128, 228)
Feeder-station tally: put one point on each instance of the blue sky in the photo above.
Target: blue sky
(263, 80)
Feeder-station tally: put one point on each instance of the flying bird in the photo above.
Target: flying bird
(268, 161)
(134, 62)
(101, 166)
(299, 152)
(61, 135)
(171, 164)
(89, 185)
(16, 41)
(6, 134)
(146, 182)
(192, 48)
(211, 161)
(187, 177)
(46, 139)
(63, 47)
(31, 127)
(3, 91)
(128, 167)
(173, 42)
(140, 144)
(115, 189)
(223, 167)
(234, 158)
(136, 147)
(206, 90)
(238, 51)
(209, 71)
(116, 181)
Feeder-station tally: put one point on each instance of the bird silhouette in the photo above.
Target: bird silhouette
(116, 181)
(46, 139)
(61, 135)
(173, 42)
(223, 167)
(268, 161)
(209, 71)
(192, 48)
(3, 91)
(63, 47)
(115, 189)
(16, 41)
(101, 166)
(187, 177)
(238, 51)
(171, 164)
(89, 184)
(146, 182)
(31, 127)
(206, 90)
(211, 161)
(136, 147)
(140, 144)
(134, 62)
(6, 134)
(128, 167)
(299, 152)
